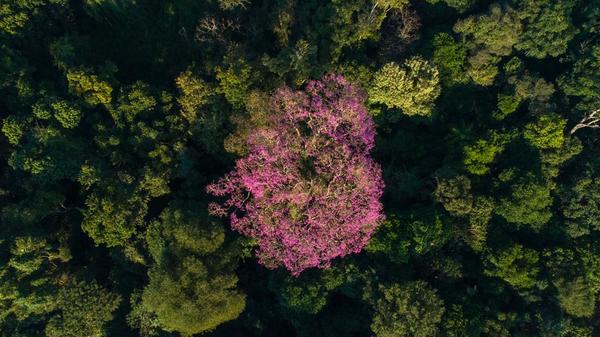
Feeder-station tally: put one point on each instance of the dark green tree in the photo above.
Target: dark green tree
(411, 310)
(516, 265)
(548, 27)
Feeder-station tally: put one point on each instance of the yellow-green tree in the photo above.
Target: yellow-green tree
(192, 287)
(412, 87)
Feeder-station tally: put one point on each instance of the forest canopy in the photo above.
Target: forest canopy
(316, 168)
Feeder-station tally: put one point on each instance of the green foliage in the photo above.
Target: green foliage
(364, 16)
(257, 105)
(528, 204)
(194, 94)
(516, 265)
(489, 37)
(413, 87)
(178, 229)
(479, 155)
(532, 88)
(390, 241)
(27, 255)
(460, 5)
(581, 206)
(413, 234)
(507, 104)
(451, 59)
(68, 115)
(140, 319)
(111, 217)
(392, 4)
(90, 87)
(294, 62)
(548, 29)
(483, 69)
(575, 297)
(192, 287)
(547, 132)
(308, 298)
(133, 101)
(412, 309)
(454, 322)
(12, 128)
(583, 80)
(554, 160)
(28, 285)
(479, 219)
(514, 66)
(41, 111)
(234, 82)
(116, 115)
(16, 15)
(495, 33)
(573, 328)
(455, 194)
(67, 51)
(84, 308)
(590, 257)
(12, 19)
(191, 300)
(47, 153)
(281, 25)
(309, 292)
(427, 235)
(28, 212)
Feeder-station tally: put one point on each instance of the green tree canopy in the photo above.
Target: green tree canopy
(192, 287)
(548, 27)
(412, 309)
(516, 265)
(84, 308)
(489, 37)
(412, 87)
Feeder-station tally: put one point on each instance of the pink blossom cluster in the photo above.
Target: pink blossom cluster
(308, 191)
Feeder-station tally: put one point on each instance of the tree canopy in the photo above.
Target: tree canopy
(314, 168)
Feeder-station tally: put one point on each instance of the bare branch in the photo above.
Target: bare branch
(231, 4)
(590, 120)
(210, 28)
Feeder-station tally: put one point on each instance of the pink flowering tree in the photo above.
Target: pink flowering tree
(308, 191)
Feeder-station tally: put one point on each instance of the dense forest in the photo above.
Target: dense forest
(309, 168)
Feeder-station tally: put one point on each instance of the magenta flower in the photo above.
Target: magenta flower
(308, 191)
